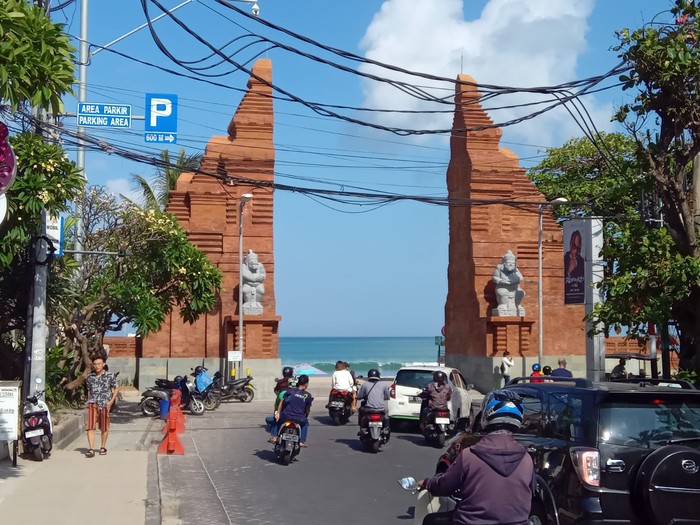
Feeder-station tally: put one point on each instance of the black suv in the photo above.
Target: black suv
(619, 452)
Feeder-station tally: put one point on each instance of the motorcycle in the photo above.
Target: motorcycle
(340, 406)
(205, 386)
(190, 399)
(436, 426)
(287, 445)
(241, 389)
(37, 429)
(374, 431)
(425, 503)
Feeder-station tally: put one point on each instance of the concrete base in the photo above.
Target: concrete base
(264, 372)
(485, 372)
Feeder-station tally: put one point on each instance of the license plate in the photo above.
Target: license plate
(337, 404)
(375, 423)
(290, 437)
(34, 433)
(414, 399)
(442, 420)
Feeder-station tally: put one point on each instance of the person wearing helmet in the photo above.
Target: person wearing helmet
(536, 373)
(483, 473)
(372, 395)
(282, 384)
(270, 421)
(547, 370)
(295, 406)
(342, 381)
(435, 396)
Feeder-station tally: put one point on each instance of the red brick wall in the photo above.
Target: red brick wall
(123, 346)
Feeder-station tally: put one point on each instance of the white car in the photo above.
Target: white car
(410, 380)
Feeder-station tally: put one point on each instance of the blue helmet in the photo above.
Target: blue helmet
(536, 367)
(502, 409)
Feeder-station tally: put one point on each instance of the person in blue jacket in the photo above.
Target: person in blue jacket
(296, 406)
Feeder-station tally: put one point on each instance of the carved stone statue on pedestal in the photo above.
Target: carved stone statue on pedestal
(509, 295)
(252, 275)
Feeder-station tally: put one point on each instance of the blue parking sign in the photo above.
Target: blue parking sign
(161, 113)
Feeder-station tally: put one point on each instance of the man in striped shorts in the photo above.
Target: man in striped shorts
(102, 391)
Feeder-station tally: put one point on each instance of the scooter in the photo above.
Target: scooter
(340, 406)
(241, 389)
(436, 426)
(205, 387)
(374, 431)
(150, 400)
(37, 429)
(425, 502)
(287, 445)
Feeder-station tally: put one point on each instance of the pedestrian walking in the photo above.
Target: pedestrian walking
(562, 371)
(506, 364)
(102, 391)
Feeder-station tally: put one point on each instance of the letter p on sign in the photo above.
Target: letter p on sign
(161, 113)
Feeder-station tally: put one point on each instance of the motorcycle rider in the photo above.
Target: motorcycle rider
(270, 421)
(283, 384)
(485, 472)
(435, 396)
(295, 406)
(371, 395)
(343, 381)
(536, 373)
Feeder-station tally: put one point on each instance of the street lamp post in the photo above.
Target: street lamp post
(246, 197)
(540, 331)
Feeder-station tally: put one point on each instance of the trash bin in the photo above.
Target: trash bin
(164, 408)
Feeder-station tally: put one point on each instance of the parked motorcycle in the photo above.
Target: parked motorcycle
(37, 429)
(150, 400)
(287, 445)
(340, 406)
(374, 431)
(241, 389)
(205, 386)
(436, 426)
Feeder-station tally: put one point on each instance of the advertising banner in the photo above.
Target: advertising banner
(576, 249)
(9, 410)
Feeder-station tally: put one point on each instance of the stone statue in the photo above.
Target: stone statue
(509, 295)
(253, 274)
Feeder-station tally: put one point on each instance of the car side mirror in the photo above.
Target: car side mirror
(470, 386)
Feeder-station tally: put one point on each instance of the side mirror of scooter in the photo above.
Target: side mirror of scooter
(409, 484)
(470, 386)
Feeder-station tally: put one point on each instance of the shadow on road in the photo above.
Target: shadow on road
(418, 440)
(410, 511)
(267, 455)
(328, 420)
(354, 444)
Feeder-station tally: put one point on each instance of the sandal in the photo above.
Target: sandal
(90, 453)
(103, 451)
(272, 440)
(303, 445)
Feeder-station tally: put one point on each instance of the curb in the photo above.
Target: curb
(67, 430)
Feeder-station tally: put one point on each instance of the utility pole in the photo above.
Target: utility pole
(82, 97)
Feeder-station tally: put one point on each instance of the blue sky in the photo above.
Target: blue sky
(344, 270)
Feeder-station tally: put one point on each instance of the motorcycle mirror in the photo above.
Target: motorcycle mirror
(408, 484)
(470, 386)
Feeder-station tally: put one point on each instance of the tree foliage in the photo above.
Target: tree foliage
(155, 194)
(36, 58)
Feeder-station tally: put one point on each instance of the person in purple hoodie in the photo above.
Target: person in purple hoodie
(484, 472)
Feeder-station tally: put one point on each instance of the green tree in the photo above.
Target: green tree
(155, 194)
(36, 58)
(664, 119)
(159, 269)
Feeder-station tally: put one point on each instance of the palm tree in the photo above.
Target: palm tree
(155, 193)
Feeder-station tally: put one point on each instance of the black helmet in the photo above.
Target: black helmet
(198, 370)
(547, 370)
(373, 374)
(439, 376)
(502, 410)
(303, 380)
(287, 371)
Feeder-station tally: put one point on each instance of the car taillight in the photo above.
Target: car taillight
(392, 391)
(33, 421)
(587, 464)
(443, 413)
(375, 417)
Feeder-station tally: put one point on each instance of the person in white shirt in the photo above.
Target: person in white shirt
(342, 380)
(506, 364)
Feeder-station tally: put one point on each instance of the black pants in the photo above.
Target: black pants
(440, 518)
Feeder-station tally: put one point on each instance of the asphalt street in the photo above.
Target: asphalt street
(229, 473)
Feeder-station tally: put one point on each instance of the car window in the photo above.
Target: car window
(532, 413)
(414, 378)
(456, 381)
(566, 416)
(648, 421)
(464, 381)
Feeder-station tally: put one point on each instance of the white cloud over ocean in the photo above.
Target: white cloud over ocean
(524, 43)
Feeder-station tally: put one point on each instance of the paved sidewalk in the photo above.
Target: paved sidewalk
(120, 487)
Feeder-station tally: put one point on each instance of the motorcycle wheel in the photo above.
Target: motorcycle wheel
(38, 454)
(196, 407)
(374, 446)
(285, 459)
(538, 516)
(210, 402)
(336, 418)
(150, 407)
(440, 440)
(247, 395)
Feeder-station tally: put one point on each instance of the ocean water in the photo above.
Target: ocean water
(388, 354)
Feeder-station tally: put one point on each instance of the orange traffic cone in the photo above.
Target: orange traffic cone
(171, 443)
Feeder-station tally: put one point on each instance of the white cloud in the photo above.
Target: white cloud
(120, 187)
(523, 43)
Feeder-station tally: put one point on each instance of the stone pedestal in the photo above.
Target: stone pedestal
(510, 333)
